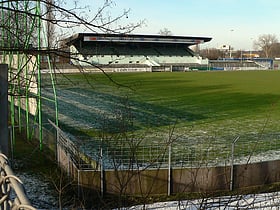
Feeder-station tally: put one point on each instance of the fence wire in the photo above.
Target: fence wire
(111, 155)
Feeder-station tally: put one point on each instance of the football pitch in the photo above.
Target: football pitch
(201, 109)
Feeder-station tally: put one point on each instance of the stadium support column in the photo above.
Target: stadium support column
(4, 142)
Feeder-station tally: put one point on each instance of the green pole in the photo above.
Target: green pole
(50, 66)
(54, 92)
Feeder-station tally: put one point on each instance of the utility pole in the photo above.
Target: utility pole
(4, 142)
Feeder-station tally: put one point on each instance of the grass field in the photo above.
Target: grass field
(208, 109)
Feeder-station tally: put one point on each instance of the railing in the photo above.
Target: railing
(12, 194)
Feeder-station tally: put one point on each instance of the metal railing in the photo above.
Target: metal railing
(12, 193)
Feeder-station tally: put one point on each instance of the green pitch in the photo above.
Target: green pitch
(208, 99)
(207, 109)
(202, 97)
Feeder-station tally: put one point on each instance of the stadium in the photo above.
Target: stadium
(162, 127)
(222, 119)
(141, 52)
(128, 52)
(171, 123)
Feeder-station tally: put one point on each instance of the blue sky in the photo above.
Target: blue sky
(233, 22)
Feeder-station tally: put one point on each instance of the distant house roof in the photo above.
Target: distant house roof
(134, 38)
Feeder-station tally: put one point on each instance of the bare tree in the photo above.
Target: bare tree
(15, 26)
(276, 50)
(165, 32)
(50, 29)
(58, 18)
(211, 53)
(266, 42)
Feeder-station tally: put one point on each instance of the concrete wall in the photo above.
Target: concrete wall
(200, 179)
(155, 181)
(261, 173)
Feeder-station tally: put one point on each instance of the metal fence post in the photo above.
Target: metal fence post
(232, 162)
(169, 170)
(79, 192)
(4, 142)
(101, 171)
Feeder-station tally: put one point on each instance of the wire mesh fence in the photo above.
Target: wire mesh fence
(127, 154)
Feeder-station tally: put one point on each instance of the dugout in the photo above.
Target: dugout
(130, 50)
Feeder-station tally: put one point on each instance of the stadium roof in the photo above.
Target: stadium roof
(135, 38)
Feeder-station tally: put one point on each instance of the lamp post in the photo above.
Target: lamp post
(251, 50)
(231, 30)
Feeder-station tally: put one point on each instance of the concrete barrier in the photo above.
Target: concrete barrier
(155, 181)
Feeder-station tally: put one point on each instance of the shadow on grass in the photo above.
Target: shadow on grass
(90, 109)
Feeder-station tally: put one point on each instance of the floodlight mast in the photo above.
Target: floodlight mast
(230, 47)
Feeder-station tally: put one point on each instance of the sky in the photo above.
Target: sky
(229, 22)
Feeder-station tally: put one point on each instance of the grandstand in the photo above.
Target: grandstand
(241, 64)
(157, 52)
